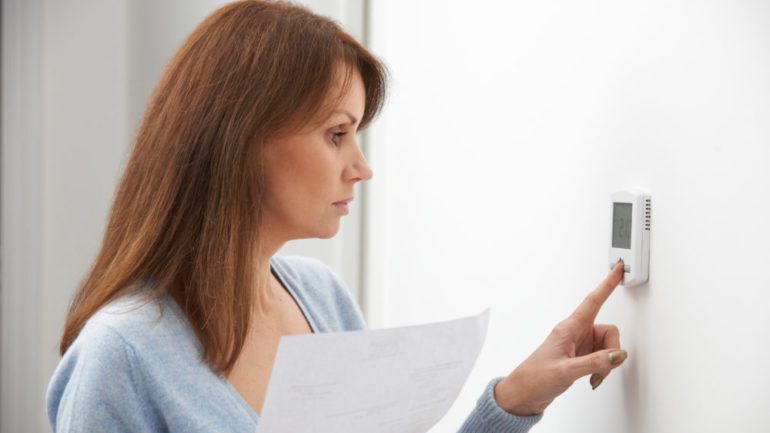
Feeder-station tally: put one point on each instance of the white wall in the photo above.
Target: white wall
(509, 125)
(76, 78)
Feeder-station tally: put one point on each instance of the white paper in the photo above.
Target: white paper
(397, 380)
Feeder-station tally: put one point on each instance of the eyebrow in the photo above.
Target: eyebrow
(352, 118)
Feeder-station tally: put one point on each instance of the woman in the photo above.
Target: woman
(250, 141)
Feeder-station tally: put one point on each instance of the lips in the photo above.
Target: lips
(342, 205)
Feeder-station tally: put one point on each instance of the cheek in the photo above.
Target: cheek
(301, 178)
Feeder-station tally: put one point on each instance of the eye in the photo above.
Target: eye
(336, 136)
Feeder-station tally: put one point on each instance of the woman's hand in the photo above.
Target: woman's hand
(575, 348)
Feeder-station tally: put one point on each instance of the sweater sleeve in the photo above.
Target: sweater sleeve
(489, 417)
(98, 387)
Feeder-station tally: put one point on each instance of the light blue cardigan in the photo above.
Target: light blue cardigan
(139, 369)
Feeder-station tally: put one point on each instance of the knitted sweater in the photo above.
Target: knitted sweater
(137, 367)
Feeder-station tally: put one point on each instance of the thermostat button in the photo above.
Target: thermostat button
(626, 268)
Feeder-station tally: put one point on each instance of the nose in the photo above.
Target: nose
(359, 168)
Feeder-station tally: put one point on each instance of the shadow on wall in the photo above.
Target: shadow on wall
(635, 379)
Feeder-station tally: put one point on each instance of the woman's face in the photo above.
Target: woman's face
(308, 174)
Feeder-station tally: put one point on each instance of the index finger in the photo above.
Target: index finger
(592, 303)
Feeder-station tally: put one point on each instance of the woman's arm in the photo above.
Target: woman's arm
(489, 417)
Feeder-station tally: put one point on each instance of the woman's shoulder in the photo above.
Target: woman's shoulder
(132, 331)
(137, 319)
(321, 290)
(126, 368)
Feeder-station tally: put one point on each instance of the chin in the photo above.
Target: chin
(328, 232)
(317, 233)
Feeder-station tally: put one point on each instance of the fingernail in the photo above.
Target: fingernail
(618, 357)
(596, 380)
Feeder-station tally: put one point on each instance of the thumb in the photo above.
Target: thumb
(601, 361)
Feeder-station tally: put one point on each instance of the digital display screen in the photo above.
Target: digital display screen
(621, 225)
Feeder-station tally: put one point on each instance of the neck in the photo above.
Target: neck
(270, 243)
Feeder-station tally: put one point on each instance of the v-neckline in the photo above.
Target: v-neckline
(290, 290)
(230, 387)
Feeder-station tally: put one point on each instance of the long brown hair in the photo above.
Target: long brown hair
(187, 210)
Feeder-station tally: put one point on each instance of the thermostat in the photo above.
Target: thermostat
(630, 235)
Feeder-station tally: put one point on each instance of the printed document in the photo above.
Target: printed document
(396, 380)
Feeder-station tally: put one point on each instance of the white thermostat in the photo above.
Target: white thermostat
(630, 235)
